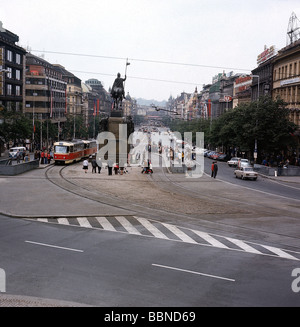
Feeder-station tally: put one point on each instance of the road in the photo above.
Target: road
(151, 241)
(108, 269)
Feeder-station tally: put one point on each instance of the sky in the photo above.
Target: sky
(173, 46)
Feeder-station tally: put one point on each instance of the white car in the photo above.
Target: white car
(246, 173)
(233, 161)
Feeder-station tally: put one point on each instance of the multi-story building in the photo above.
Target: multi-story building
(45, 91)
(73, 91)
(286, 83)
(12, 63)
(242, 90)
(104, 98)
(262, 75)
(286, 79)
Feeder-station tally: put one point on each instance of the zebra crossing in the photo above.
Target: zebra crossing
(151, 228)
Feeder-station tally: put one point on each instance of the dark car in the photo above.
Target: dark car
(223, 157)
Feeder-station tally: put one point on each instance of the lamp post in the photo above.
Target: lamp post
(33, 109)
(74, 136)
(161, 109)
(258, 95)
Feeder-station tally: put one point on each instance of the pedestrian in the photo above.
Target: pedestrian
(279, 170)
(116, 168)
(94, 166)
(18, 157)
(46, 158)
(110, 167)
(85, 166)
(99, 164)
(42, 157)
(49, 158)
(216, 168)
(212, 169)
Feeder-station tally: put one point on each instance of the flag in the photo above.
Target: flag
(66, 104)
(51, 102)
(98, 106)
(94, 108)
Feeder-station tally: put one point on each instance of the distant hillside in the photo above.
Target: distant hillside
(144, 102)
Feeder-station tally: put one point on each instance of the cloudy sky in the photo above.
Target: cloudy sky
(172, 45)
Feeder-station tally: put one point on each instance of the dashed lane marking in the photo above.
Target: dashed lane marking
(151, 228)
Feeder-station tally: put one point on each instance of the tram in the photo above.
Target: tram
(66, 152)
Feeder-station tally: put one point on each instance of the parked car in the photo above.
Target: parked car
(233, 162)
(246, 173)
(222, 157)
(13, 151)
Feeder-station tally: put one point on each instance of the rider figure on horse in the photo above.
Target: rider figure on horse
(118, 92)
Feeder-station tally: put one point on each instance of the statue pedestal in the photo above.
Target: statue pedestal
(121, 128)
(117, 113)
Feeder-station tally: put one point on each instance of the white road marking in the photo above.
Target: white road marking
(280, 252)
(210, 239)
(63, 221)
(106, 224)
(243, 245)
(127, 225)
(54, 246)
(184, 237)
(151, 228)
(84, 222)
(194, 272)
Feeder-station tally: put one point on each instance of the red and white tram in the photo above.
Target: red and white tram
(90, 147)
(66, 152)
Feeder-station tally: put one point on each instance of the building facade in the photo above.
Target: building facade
(286, 79)
(45, 91)
(12, 67)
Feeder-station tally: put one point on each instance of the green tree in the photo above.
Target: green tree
(266, 121)
(15, 126)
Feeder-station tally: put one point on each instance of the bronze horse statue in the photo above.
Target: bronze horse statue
(118, 92)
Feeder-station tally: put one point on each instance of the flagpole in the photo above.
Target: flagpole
(127, 64)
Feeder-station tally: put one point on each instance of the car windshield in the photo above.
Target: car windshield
(248, 169)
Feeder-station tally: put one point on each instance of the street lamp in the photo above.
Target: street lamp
(74, 117)
(33, 109)
(258, 95)
(161, 109)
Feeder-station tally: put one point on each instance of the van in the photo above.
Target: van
(13, 151)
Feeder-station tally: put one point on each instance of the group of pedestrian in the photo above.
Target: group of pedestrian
(44, 156)
(95, 164)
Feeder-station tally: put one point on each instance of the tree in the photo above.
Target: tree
(266, 121)
(15, 126)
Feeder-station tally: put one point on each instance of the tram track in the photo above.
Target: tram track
(54, 174)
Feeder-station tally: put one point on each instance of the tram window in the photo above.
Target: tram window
(71, 149)
(61, 149)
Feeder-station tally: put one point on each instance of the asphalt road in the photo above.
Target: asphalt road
(150, 241)
(262, 184)
(107, 269)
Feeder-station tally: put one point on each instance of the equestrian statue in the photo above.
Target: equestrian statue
(118, 92)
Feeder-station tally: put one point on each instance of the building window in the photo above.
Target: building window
(18, 90)
(18, 74)
(18, 106)
(9, 73)
(18, 59)
(9, 55)
(9, 89)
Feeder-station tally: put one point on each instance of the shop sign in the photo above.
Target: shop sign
(267, 54)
